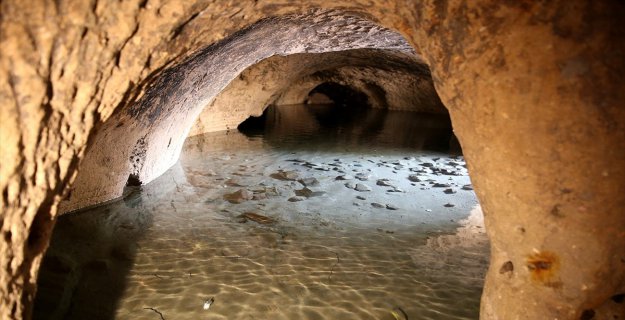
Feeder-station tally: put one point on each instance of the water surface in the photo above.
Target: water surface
(339, 253)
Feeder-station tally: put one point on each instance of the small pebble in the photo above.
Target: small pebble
(297, 198)
(344, 177)
(308, 182)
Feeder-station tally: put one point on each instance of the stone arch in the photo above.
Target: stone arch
(145, 139)
(287, 80)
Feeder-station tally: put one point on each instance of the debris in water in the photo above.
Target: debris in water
(285, 175)
(384, 183)
(441, 185)
(305, 192)
(207, 303)
(344, 177)
(308, 182)
(239, 196)
(399, 314)
(257, 218)
(155, 310)
(297, 199)
(362, 176)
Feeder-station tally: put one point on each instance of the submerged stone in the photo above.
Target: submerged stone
(441, 185)
(239, 196)
(258, 218)
(384, 182)
(344, 177)
(297, 198)
(285, 175)
(309, 182)
(305, 192)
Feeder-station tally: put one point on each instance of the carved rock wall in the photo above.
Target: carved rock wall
(535, 96)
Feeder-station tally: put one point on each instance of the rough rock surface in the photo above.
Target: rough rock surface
(534, 90)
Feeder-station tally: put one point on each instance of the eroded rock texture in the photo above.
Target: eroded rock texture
(106, 89)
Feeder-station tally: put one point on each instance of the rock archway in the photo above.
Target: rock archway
(392, 79)
(534, 91)
(143, 140)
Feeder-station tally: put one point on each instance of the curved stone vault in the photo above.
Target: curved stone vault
(109, 90)
(392, 79)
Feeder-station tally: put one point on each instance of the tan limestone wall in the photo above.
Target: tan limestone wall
(539, 111)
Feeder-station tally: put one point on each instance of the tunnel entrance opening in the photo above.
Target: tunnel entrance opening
(333, 124)
(337, 94)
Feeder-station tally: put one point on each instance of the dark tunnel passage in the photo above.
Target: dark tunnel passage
(340, 95)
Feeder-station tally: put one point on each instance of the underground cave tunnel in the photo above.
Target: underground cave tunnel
(292, 215)
(119, 120)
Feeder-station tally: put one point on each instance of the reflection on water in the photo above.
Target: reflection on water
(337, 128)
(262, 224)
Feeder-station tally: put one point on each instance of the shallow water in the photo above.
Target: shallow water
(178, 241)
